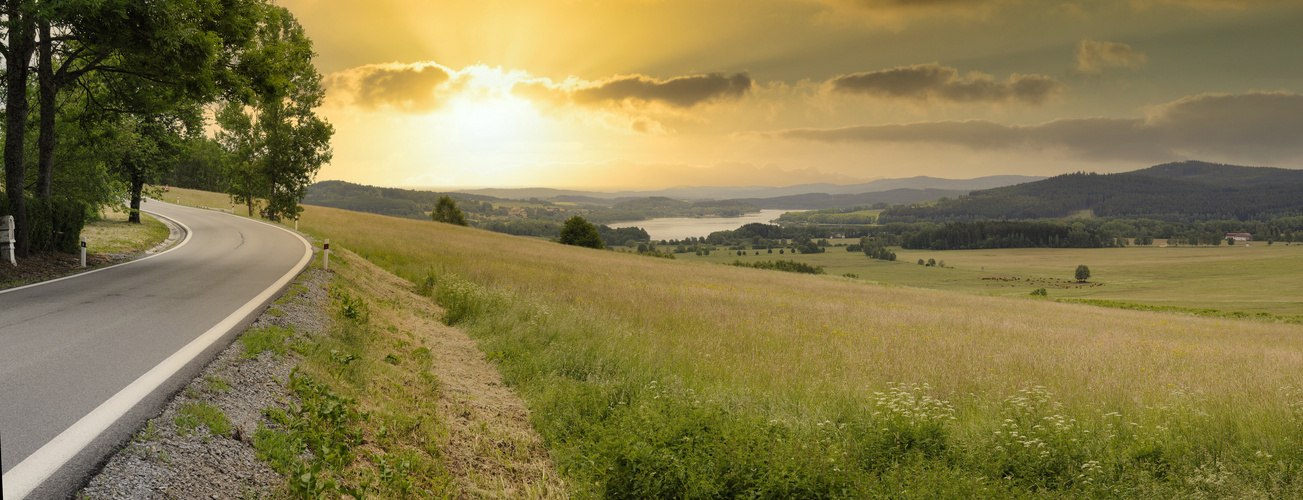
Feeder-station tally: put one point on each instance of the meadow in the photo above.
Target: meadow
(672, 378)
(1257, 278)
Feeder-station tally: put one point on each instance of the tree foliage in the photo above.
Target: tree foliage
(1083, 273)
(446, 211)
(580, 232)
(276, 140)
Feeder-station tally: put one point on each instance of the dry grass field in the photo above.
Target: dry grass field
(652, 377)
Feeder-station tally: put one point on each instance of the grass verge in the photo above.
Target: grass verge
(657, 378)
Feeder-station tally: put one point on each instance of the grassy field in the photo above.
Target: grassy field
(672, 378)
(1258, 278)
(656, 377)
(112, 234)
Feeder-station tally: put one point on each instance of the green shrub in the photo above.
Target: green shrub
(790, 266)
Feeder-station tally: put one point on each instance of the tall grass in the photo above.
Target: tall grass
(650, 377)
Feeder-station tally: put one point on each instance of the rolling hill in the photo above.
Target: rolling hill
(1184, 191)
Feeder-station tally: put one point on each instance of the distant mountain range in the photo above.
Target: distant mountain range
(920, 183)
(1183, 191)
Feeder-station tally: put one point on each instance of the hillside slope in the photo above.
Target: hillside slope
(651, 378)
(1187, 191)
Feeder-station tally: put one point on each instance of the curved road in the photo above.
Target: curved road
(85, 360)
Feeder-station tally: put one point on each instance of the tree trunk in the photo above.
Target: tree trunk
(21, 45)
(48, 90)
(137, 186)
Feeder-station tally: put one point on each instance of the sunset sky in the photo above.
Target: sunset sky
(647, 94)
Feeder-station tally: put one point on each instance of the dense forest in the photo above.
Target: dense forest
(1177, 192)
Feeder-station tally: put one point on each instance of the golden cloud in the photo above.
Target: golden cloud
(1094, 57)
(1258, 126)
(927, 82)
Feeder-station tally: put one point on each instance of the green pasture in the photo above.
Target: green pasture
(1257, 278)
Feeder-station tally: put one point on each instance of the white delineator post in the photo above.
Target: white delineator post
(296, 223)
(325, 257)
(7, 244)
(83, 251)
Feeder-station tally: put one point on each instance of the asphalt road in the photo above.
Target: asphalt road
(84, 361)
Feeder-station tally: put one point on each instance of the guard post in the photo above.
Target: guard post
(7, 244)
(325, 257)
(83, 251)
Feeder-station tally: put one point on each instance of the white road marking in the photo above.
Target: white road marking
(25, 477)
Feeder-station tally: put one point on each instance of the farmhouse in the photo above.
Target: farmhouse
(1240, 236)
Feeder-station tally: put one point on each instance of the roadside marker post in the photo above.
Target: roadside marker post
(325, 257)
(296, 223)
(83, 251)
(7, 244)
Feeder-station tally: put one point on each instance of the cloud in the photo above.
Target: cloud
(415, 87)
(678, 92)
(895, 13)
(1258, 126)
(929, 82)
(1094, 57)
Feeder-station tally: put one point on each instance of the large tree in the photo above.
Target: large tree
(276, 140)
(111, 52)
(20, 42)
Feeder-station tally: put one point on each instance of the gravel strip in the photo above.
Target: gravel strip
(165, 461)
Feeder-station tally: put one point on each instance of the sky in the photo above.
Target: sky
(648, 94)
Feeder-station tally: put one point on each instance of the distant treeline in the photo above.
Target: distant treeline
(1004, 234)
(859, 214)
(1061, 233)
(789, 266)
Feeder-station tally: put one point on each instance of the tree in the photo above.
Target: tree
(446, 211)
(273, 134)
(1083, 273)
(580, 232)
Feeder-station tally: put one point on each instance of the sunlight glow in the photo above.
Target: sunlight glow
(493, 123)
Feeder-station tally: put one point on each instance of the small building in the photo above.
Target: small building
(1240, 236)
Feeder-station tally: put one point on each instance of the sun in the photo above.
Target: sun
(493, 124)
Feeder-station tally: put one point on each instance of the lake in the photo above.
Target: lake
(677, 228)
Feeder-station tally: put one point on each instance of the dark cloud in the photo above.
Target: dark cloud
(681, 92)
(406, 87)
(925, 82)
(1260, 126)
(1094, 57)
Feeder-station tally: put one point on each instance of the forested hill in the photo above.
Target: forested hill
(380, 200)
(1185, 191)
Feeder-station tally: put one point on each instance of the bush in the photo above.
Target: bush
(446, 211)
(790, 266)
(580, 232)
(1039, 292)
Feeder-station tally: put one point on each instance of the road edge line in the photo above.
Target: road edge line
(184, 240)
(29, 474)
